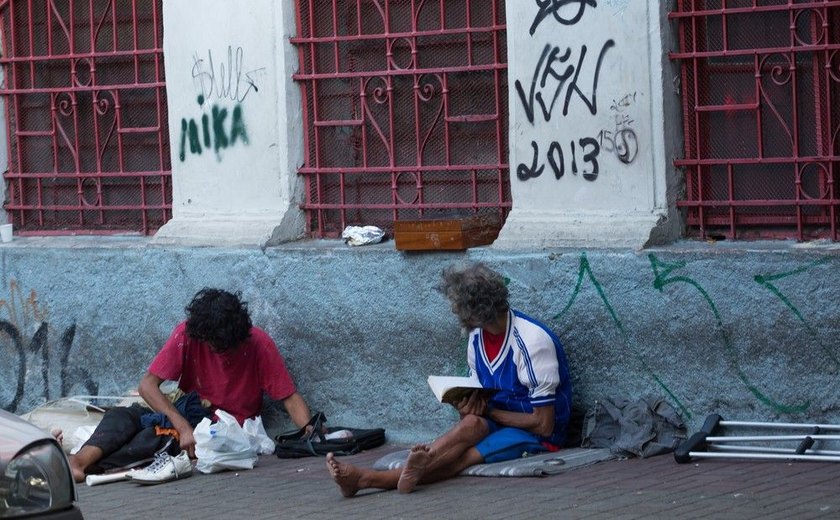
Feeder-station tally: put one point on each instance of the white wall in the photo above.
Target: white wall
(587, 149)
(234, 154)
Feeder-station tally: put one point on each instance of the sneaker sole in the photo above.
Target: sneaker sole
(153, 482)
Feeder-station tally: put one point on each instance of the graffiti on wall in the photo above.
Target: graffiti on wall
(225, 79)
(565, 76)
(621, 138)
(558, 10)
(223, 86)
(666, 274)
(215, 133)
(19, 315)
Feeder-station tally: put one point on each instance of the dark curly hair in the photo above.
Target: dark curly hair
(477, 293)
(218, 317)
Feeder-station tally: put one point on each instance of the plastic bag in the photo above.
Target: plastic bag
(70, 413)
(80, 437)
(362, 235)
(223, 445)
(260, 440)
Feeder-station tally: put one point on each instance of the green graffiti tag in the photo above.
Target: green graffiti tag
(585, 270)
(766, 282)
(216, 133)
(661, 272)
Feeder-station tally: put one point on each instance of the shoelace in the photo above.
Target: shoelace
(161, 459)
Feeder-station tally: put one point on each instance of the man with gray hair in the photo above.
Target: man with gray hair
(507, 351)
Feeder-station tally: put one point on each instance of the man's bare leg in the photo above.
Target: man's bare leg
(82, 460)
(351, 479)
(445, 457)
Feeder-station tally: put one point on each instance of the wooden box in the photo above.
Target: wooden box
(457, 233)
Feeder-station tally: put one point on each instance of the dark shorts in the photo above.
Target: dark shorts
(124, 441)
(506, 443)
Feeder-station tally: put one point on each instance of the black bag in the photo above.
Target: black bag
(300, 443)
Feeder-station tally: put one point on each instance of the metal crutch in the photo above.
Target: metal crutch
(697, 445)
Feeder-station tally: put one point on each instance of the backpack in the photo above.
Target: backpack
(300, 443)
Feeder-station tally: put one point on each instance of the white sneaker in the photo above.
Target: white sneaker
(163, 469)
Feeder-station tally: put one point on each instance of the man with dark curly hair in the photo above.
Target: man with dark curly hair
(220, 360)
(507, 351)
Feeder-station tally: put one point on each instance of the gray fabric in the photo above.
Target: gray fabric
(540, 465)
(644, 428)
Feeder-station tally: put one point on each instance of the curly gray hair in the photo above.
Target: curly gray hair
(477, 293)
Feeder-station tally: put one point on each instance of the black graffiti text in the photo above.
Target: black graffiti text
(554, 70)
(622, 139)
(553, 7)
(40, 344)
(623, 142)
(581, 155)
(229, 80)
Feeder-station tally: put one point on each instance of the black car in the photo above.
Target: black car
(35, 478)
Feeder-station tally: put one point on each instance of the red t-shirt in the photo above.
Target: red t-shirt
(233, 381)
(492, 343)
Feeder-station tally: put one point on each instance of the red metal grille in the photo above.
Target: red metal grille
(86, 110)
(760, 85)
(405, 105)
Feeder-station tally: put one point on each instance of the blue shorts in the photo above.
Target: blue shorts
(505, 443)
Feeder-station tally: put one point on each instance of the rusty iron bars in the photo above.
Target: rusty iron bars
(405, 109)
(760, 87)
(85, 98)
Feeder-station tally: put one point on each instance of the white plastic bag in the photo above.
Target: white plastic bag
(260, 440)
(362, 235)
(80, 437)
(223, 445)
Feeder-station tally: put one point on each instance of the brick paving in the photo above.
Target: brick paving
(656, 487)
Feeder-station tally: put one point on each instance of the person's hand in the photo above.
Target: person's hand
(474, 404)
(187, 441)
(309, 429)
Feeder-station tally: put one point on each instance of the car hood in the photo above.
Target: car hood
(16, 434)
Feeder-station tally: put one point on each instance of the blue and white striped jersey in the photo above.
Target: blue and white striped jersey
(530, 371)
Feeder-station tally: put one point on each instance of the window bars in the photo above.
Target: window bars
(85, 107)
(405, 110)
(760, 88)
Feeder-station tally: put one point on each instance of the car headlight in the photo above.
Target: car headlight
(36, 481)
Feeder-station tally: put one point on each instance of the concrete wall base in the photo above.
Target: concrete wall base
(541, 230)
(745, 330)
(216, 231)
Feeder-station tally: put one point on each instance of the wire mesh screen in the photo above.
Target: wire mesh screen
(405, 105)
(85, 103)
(760, 86)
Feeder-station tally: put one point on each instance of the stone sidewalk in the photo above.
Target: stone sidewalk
(656, 487)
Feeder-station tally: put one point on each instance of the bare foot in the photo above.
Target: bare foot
(345, 475)
(76, 469)
(415, 467)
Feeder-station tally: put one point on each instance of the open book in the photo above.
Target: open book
(451, 389)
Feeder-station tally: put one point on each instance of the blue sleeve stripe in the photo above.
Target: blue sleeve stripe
(528, 364)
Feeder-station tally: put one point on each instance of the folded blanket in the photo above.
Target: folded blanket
(540, 465)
